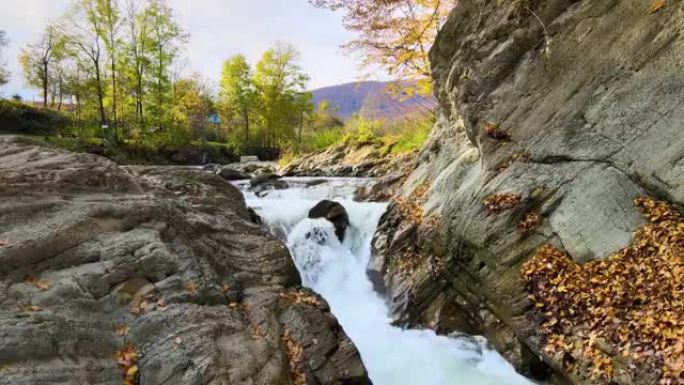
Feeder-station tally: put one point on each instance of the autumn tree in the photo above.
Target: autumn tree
(238, 95)
(395, 35)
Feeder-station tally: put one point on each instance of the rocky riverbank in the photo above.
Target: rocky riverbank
(557, 116)
(149, 275)
(358, 160)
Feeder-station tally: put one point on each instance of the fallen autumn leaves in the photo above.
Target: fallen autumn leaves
(630, 304)
(127, 360)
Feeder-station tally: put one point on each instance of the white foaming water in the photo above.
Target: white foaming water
(393, 356)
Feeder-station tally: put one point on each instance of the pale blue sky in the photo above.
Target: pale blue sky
(218, 29)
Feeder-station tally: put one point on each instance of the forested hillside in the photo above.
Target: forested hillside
(372, 99)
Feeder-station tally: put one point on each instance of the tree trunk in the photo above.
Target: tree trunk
(246, 117)
(100, 100)
(115, 122)
(112, 57)
(61, 94)
(299, 131)
(141, 114)
(45, 84)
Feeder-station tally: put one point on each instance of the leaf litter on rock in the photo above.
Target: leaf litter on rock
(631, 303)
(37, 282)
(127, 361)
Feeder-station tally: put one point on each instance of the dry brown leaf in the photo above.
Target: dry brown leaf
(139, 305)
(295, 354)
(528, 223)
(121, 330)
(127, 360)
(494, 132)
(35, 281)
(498, 203)
(301, 297)
(657, 5)
(30, 308)
(191, 288)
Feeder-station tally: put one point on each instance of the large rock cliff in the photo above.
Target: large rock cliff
(557, 115)
(113, 275)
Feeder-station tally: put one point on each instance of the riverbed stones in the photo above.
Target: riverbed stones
(97, 260)
(231, 174)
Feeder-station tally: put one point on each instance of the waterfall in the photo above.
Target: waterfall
(337, 271)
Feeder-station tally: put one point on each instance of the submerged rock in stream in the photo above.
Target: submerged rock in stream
(231, 174)
(160, 264)
(333, 212)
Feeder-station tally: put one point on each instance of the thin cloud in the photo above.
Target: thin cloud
(218, 29)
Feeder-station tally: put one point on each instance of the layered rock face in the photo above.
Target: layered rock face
(556, 116)
(113, 275)
(372, 159)
(364, 159)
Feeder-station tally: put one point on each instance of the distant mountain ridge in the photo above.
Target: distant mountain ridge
(370, 99)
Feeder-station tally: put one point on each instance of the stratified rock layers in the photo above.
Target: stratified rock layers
(155, 275)
(556, 116)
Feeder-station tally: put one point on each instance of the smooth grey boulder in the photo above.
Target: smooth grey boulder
(335, 213)
(96, 257)
(263, 177)
(231, 174)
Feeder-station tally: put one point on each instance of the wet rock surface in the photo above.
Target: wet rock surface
(350, 160)
(333, 212)
(358, 160)
(230, 173)
(556, 116)
(98, 260)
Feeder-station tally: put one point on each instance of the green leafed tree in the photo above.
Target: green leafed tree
(109, 12)
(163, 45)
(136, 57)
(279, 81)
(84, 29)
(192, 105)
(40, 61)
(238, 95)
(304, 112)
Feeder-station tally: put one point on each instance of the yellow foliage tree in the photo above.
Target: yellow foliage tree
(395, 35)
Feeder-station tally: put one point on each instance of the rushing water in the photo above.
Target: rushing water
(393, 356)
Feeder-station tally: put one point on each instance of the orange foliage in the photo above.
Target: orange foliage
(631, 303)
(127, 360)
(295, 354)
(498, 203)
(493, 131)
(528, 223)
